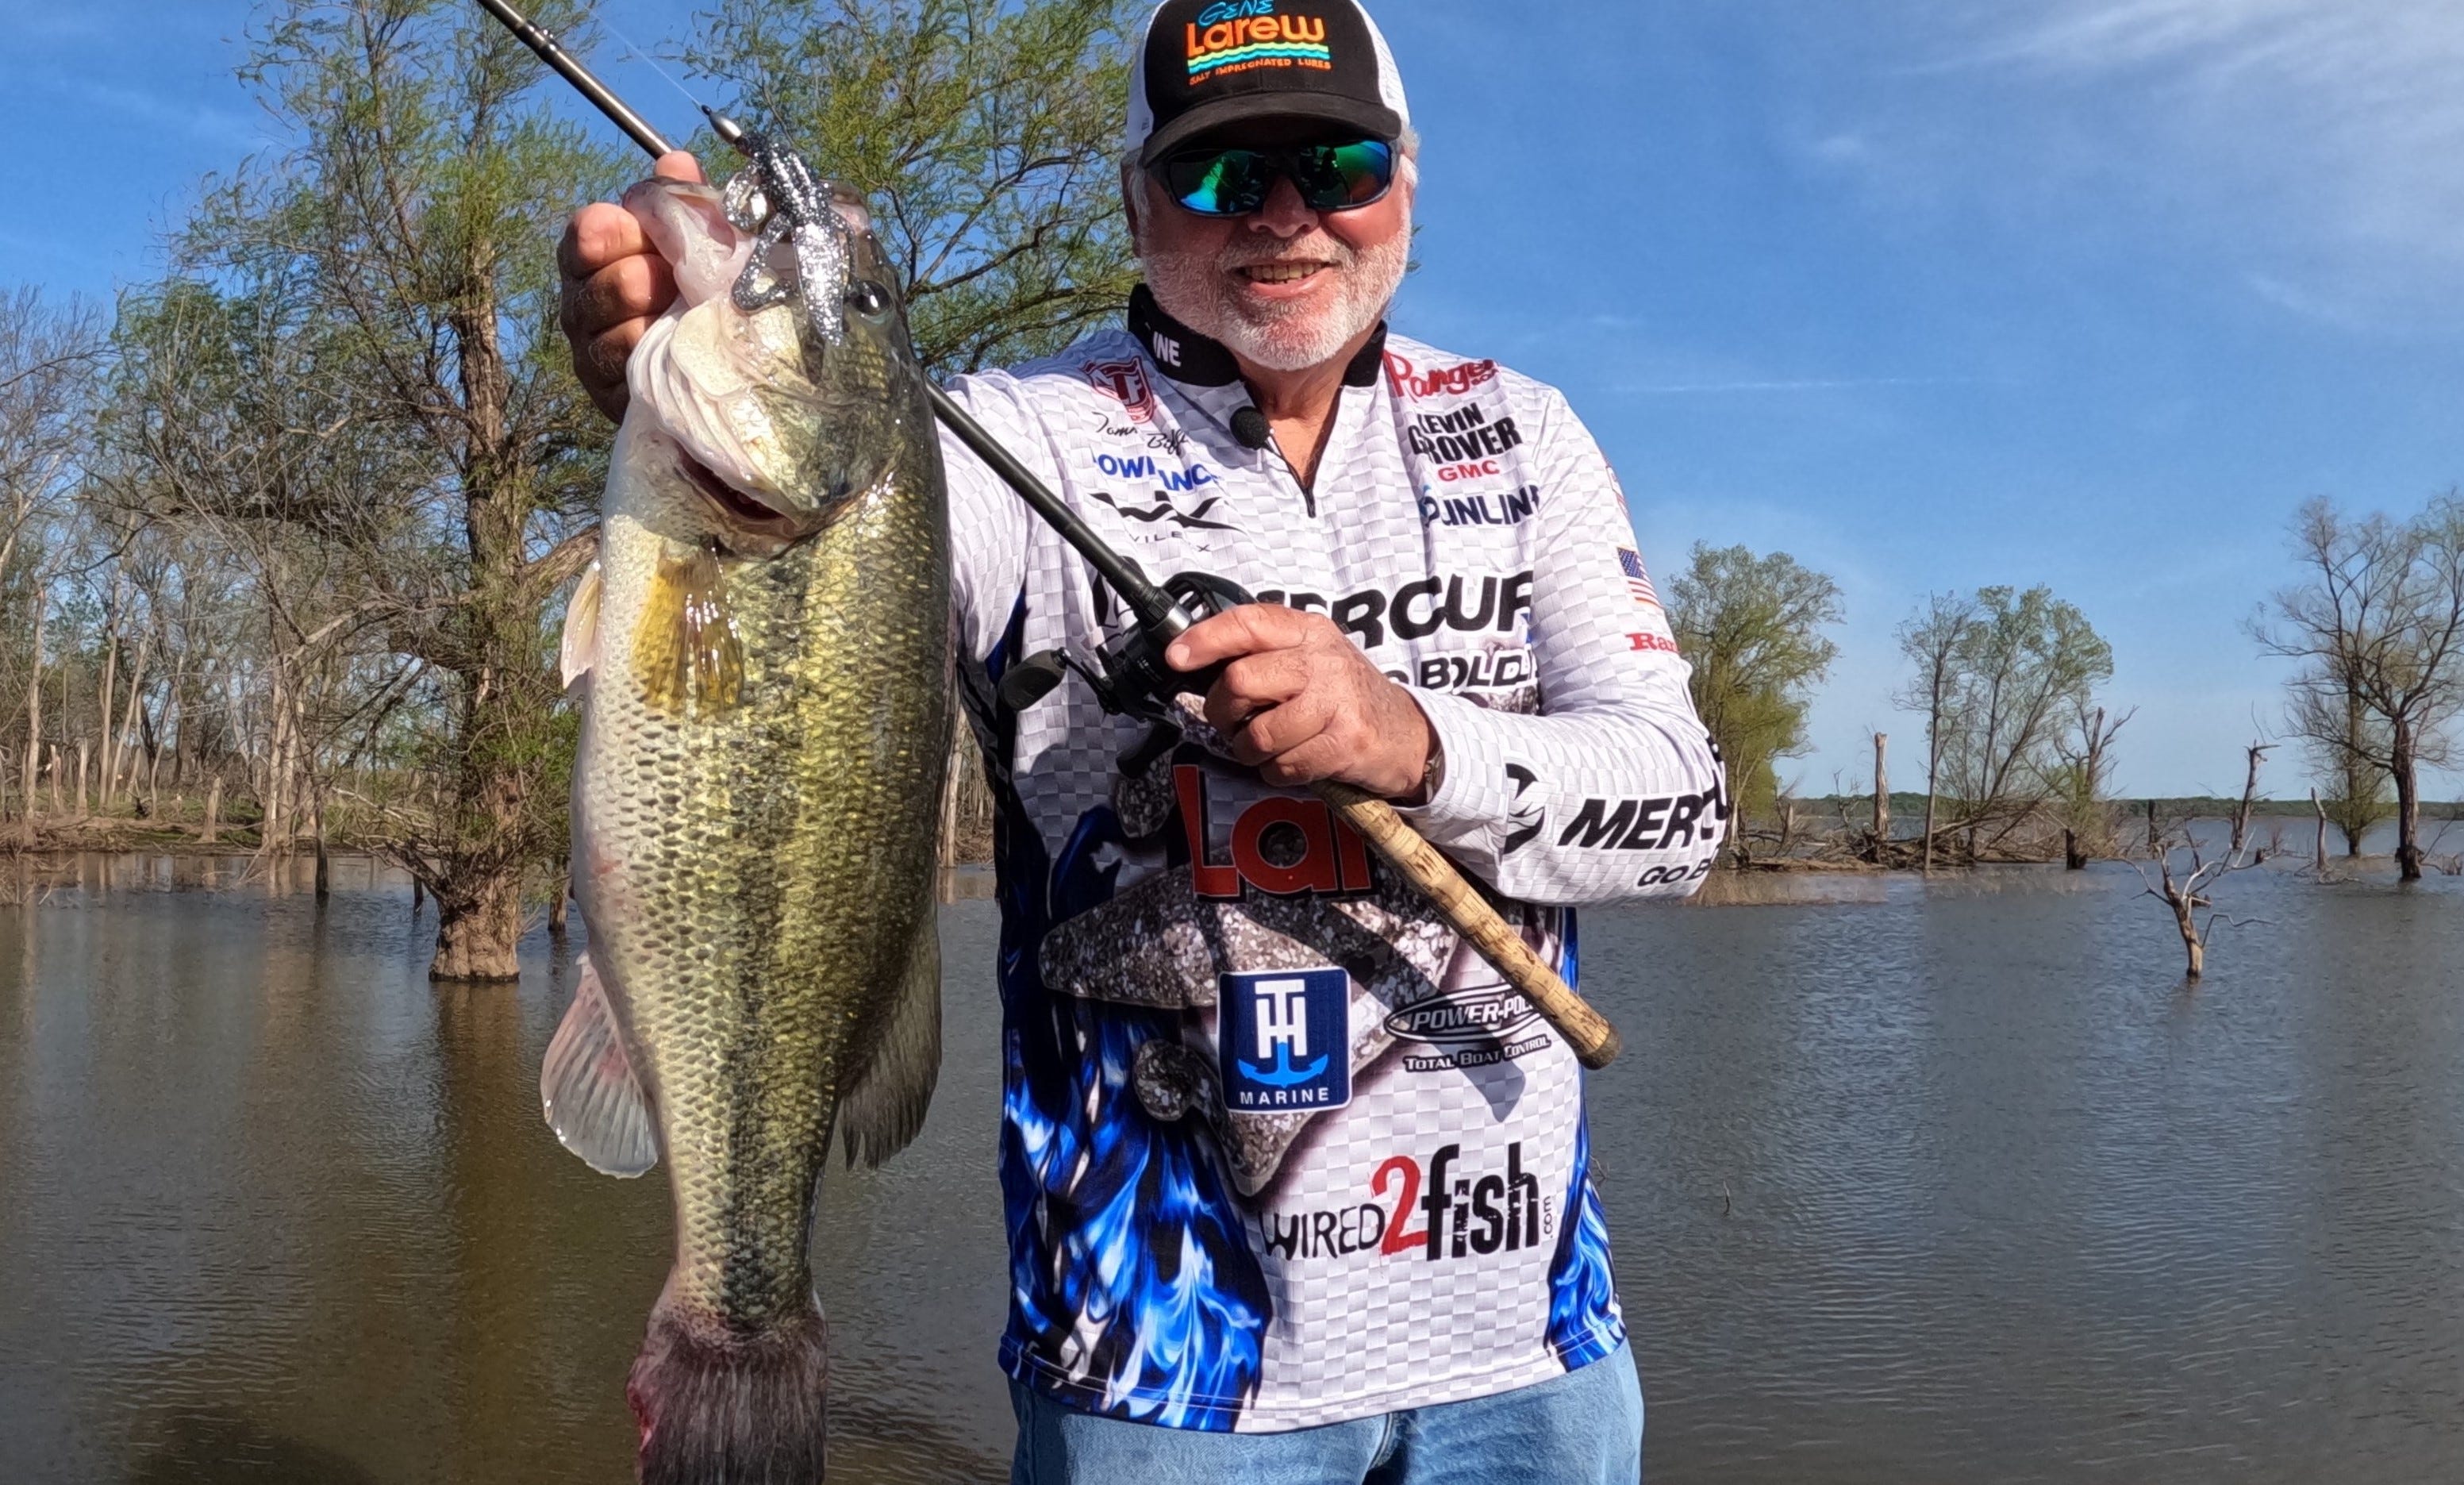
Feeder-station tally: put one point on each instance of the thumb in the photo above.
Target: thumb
(678, 164)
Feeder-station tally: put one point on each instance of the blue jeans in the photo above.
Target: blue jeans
(1584, 1427)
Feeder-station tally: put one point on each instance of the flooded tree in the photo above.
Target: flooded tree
(1933, 641)
(2030, 662)
(407, 225)
(1753, 627)
(290, 546)
(2007, 682)
(47, 355)
(2083, 780)
(2186, 875)
(2378, 620)
(232, 476)
(2341, 738)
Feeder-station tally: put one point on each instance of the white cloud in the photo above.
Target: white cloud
(2338, 121)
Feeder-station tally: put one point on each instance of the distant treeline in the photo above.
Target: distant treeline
(1905, 805)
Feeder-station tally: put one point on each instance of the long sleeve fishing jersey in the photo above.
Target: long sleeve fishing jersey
(1279, 1151)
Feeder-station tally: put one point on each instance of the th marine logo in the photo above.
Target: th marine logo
(1458, 1213)
(1285, 1040)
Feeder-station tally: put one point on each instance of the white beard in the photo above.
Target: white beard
(1193, 288)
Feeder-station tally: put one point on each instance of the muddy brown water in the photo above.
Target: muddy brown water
(1946, 1186)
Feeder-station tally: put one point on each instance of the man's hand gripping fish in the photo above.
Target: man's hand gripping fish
(767, 637)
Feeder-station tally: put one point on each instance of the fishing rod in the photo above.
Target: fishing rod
(1137, 591)
(1128, 675)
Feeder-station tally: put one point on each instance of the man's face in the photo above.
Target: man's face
(1284, 287)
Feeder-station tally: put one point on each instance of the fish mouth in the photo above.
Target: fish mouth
(739, 511)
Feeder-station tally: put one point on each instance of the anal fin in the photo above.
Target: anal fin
(588, 1091)
(884, 1110)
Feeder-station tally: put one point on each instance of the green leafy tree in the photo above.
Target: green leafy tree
(1752, 629)
(1934, 639)
(2029, 661)
(406, 226)
(2007, 682)
(2343, 741)
(985, 133)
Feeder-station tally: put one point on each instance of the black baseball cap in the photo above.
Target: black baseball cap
(1203, 64)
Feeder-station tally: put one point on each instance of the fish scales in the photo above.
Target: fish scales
(757, 797)
(763, 854)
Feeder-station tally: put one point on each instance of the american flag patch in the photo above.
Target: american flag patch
(1637, 581)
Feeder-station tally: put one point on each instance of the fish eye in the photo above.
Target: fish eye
(868, 299)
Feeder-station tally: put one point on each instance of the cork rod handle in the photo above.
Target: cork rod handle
(1594, 1041)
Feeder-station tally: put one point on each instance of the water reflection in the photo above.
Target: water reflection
(230, 1450)
(1906, 1184)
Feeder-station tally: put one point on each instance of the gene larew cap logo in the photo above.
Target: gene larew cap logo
(1239, 35)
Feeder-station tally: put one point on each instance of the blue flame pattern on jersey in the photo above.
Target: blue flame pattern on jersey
(1133, 1291)
(1583, 1324)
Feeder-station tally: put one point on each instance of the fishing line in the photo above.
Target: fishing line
(635, 48)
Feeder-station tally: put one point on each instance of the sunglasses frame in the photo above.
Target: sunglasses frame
(1282, 161)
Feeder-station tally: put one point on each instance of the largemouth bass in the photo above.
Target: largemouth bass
(766, 641)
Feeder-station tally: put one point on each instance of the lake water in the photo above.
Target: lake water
(1905, 1185)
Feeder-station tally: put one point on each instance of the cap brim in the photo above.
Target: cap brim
(1375, 120)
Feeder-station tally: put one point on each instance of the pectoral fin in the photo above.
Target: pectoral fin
(588, 1091)
(685, 655)
(579, 651)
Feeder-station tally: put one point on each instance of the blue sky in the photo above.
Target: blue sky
(1931, 294)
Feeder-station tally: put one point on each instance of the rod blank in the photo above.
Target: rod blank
(544, 43)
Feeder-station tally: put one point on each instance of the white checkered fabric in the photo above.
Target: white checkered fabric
(1467, 530)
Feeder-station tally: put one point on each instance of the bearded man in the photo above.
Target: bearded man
(1296, 1190)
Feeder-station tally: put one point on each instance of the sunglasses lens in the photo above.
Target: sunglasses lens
(1224, 183)
(1335, 177)
(1234, 182)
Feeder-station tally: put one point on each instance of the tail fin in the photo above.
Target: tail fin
(714, 1407)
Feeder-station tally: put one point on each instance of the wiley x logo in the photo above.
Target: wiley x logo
(1163, 510)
